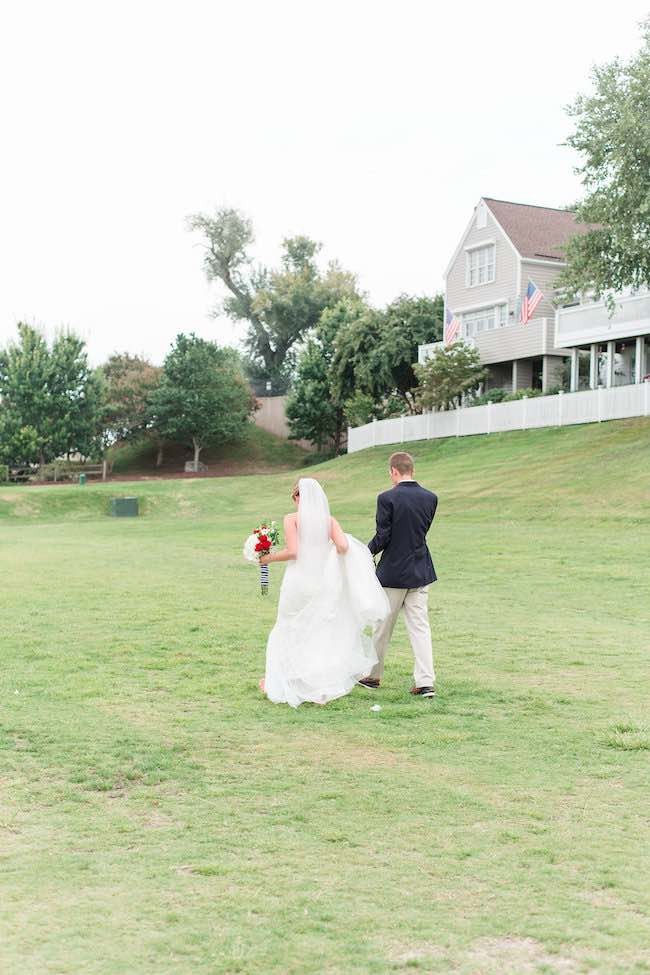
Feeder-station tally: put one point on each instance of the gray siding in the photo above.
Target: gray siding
(513, 342)
(517, 341)
(459, 296)
(524, 374)
(544, 276)
(549, 343)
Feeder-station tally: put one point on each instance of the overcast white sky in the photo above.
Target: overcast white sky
(371, 126)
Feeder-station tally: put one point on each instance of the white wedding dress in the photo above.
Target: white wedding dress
(329, 604)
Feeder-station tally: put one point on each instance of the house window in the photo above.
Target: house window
(484, 320)
(480, 265)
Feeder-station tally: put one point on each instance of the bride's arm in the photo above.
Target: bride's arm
(290, 549)
(338, 537)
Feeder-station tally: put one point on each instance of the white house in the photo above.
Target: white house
(504, 247)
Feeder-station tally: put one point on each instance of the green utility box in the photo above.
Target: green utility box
(124, 507)
(82, 479)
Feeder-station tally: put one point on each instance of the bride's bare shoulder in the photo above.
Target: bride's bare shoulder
(291, 517)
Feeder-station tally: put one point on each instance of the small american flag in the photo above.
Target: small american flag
(452, 327)
(531, 301)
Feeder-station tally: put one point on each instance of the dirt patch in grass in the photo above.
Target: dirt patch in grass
(515, 956)
(318, 748)
(159, 820)
(486, 956)
(415, 956)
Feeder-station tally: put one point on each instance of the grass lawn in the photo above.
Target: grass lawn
(158, 815)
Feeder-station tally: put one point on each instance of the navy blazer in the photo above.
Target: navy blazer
(404, 516)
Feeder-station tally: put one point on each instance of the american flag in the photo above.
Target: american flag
(452, 327)
(531, 301)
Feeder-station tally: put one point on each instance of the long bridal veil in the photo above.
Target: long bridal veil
(313, 528)
(329, 603)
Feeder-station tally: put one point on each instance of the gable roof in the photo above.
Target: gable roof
(536, 232)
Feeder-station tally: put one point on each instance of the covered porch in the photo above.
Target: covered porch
(606, 350)
(610, 363)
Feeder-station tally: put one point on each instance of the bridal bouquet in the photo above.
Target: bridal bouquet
(263, 540)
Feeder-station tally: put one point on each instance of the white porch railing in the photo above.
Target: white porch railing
(591, 322)
(589, 406)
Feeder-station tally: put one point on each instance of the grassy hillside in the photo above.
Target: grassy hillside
(158, 815)
(259, 452)
(598, 471)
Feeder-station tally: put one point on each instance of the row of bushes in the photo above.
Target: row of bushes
(499, 395)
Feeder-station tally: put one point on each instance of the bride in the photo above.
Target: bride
(330, 597)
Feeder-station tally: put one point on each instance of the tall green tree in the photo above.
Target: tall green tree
(51, 400)
(612, 135)
(202, 399)
(354, 344)
(311, 413)
(449, 373)
(25, 395)
(77, 398)
(375, 353)
(280, 305)
(406, 323)
(316, 404)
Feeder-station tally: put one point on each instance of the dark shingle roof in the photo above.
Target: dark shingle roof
(536, 231)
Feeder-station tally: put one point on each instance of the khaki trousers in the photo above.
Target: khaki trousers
(414, 602)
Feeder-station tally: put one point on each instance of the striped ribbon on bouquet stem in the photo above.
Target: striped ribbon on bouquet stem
(264, 579)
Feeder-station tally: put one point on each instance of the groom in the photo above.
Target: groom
(404, 516)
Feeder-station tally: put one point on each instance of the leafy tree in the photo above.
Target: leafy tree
(354, 365)
(202, 399)
(406, 323)
(447, 375)
(280, 305)
(51, 398)
(77, 398)
(316, 405)
(18, 445)
(129, 381)
(375, 354)
(360, 408)
(25, 379)
(311, 413)
(612, 134)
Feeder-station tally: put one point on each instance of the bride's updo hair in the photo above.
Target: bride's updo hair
(295, 491)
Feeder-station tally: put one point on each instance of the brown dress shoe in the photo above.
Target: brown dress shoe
(424, 691)
(370, 682)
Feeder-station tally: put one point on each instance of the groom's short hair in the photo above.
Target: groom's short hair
(401, 462)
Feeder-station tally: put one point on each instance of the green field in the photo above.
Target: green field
(158, 815)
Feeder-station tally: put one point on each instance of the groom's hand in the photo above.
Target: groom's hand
(384, 526)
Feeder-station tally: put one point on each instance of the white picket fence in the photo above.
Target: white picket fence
(562, 409)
